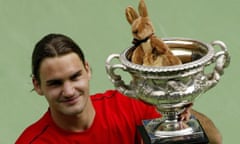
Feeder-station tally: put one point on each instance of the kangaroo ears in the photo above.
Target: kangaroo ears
(142, 8)
(131, 14)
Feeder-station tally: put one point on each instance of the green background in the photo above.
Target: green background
(100, 28)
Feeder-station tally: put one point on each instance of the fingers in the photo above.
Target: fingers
(186, 114)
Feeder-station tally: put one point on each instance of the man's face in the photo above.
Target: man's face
(64, 83)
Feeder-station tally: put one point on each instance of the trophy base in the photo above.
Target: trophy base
(198, 136)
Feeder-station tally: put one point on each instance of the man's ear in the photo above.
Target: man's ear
(88, 70)
(37, 86)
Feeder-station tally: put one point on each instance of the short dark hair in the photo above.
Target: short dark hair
(53, 45)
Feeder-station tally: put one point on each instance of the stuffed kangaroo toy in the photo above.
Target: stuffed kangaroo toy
(149, 50)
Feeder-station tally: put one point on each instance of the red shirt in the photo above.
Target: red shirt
(117, 117)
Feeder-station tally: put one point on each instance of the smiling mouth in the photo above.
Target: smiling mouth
(71, 101)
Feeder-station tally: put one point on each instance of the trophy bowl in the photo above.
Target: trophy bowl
(171, 88)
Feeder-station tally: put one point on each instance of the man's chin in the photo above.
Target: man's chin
(72, 111)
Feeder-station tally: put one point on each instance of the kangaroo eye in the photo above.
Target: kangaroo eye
(135, 31)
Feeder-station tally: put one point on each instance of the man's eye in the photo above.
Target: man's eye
(76, 76)
(54, 83)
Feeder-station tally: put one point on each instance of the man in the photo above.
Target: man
(61, 74)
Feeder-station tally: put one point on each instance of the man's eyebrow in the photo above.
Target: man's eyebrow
(51, 81)
(79, 72)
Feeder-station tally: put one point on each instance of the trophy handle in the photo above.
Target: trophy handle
(221, 60)
(117, 79)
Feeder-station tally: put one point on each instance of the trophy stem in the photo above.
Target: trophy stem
(172, 125)
(173, 128)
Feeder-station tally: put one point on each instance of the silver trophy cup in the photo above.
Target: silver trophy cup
(172, 88)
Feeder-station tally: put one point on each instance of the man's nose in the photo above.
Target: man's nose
(68, 89)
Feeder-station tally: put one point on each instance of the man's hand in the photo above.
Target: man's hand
(186, 114)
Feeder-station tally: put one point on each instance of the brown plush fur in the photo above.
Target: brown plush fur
(150, 50)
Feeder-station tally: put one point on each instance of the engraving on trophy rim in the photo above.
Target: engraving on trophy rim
(158, 91)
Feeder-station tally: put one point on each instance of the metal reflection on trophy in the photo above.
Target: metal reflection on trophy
(172, 88)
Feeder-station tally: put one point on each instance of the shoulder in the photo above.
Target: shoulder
(31, 133)
(109, 94)
(113, 96)
(120, 103)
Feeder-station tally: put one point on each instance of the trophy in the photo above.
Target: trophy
(171, 88)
